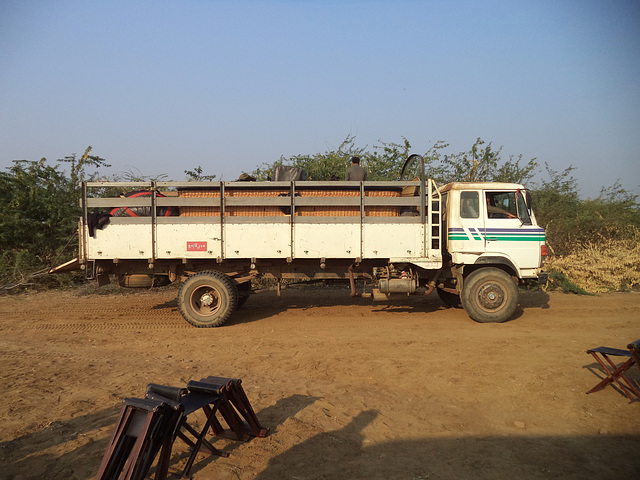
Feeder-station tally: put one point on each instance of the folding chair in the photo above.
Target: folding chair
(152, 424)
(209, 401)
(140, 432)
(212, 395)
(616, 373)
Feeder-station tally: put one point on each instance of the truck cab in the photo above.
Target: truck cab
(491, 225)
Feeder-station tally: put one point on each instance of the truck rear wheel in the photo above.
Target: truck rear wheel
(489, 295)
(207, 299)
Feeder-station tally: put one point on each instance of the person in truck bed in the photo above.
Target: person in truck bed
(355, 172)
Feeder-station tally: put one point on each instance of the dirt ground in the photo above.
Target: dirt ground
(348, 388)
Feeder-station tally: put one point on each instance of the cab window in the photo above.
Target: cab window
(469, 205)
(501, 205)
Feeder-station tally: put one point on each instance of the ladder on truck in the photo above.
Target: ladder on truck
(433, 224)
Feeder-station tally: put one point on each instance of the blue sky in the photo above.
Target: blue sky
(157, 87)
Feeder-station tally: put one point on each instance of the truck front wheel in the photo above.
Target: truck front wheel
(489, 295)
(207, 299)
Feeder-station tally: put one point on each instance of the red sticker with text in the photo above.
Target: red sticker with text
(196, 246)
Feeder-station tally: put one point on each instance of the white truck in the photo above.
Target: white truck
(473, 243)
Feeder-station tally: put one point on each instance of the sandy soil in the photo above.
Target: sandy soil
(349, 389)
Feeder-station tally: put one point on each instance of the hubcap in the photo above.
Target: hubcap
(491, 296)
(205, 301)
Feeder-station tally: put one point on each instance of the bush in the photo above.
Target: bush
(558, 280)
(39, 217)
(607, 264)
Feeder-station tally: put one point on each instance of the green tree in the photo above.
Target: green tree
(482, 164)
(571, 222)
(196, 175)
(385, 162)
(615, 209)
(319, 166)
(38, 202)
(557, 205)
(39, 217)
(80, 169)
(387, 159)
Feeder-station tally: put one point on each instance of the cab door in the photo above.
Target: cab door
(466, 225)
(508, 229)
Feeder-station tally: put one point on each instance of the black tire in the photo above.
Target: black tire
(449, 299)
(244, 291)
(489, 295)
(207, 299)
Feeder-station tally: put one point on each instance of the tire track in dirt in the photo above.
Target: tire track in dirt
(92, 327)
(98, 310)
(21, 354)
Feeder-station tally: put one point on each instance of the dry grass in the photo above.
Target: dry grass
(602, 266)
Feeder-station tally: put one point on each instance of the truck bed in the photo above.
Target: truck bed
(263, 220)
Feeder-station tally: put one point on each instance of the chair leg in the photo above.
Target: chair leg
(132, 470)
(113, 453)
(615, 373)
(205, 443)
(233, 420)
(239, 399)
(200, 440)
(237, 403)
(162, 469)
(167, 435)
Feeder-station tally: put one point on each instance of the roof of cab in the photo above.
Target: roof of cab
(480, 186)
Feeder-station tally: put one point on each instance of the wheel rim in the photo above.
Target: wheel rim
(205, 301)
(491, 297)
